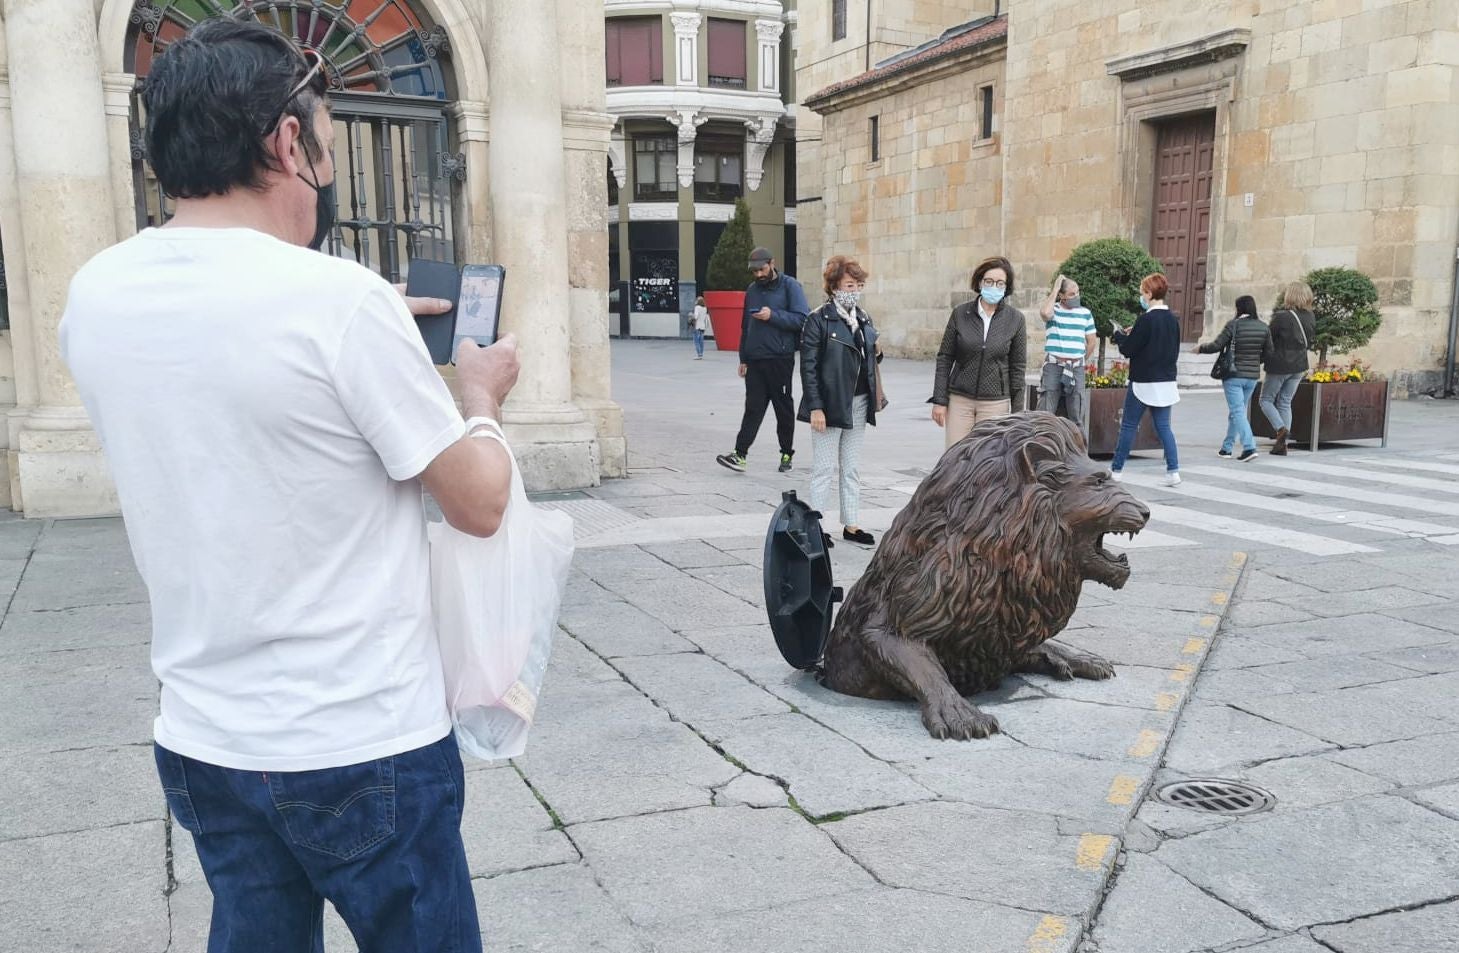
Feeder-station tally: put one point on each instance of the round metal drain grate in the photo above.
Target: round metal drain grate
(1216, 796)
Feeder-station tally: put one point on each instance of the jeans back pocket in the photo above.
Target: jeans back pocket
(341, 812)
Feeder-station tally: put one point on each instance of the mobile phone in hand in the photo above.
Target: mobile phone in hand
(479, 308)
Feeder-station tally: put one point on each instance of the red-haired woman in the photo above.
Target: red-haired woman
(983, 355)
(1152, 344)
(840, 390)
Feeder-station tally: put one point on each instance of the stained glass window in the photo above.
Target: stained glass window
(370, 46)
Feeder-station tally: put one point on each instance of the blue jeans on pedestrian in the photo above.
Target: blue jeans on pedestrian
(1276, 398)
(380, 840)
(1130, 424)
(1238, 404)
(698, 342)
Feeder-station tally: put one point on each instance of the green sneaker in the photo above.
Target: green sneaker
(734, 460)
(784, 462)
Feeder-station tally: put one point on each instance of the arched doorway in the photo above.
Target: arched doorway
(395, 162)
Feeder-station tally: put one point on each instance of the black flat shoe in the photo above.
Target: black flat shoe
(860, 536)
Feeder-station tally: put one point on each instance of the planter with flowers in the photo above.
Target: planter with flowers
(1104, 408)
(1104, 403)
(1337, 402)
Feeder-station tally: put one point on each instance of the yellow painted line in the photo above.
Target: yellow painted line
(1122, 789)
(1182, 672)
(1193, 646)
(1147, 744)
(1218, 598)
(1093, 848)
(1209, 621)
(1048, 935)
(1238, 560)
(1165, 701)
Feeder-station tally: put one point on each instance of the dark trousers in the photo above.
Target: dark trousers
(380, 840)
(768, 382)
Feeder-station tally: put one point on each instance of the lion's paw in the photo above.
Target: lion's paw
(957, 719)
(1091, 667)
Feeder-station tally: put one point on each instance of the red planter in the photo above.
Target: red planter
(726, 314)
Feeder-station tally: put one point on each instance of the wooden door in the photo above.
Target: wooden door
(1180, 236)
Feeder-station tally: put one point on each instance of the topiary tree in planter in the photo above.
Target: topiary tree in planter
(727, 277)
(1345, 302)
(1109, 271)
(729, 263)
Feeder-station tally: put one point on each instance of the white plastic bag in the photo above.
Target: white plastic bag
(496, 602)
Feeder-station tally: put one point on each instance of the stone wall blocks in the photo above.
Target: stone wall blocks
(1421, 84)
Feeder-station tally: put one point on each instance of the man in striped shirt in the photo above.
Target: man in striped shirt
(1068, 346)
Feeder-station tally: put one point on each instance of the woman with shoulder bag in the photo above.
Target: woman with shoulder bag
(1292, 329)
(1250, 341)
(984, 353)
(841, 390)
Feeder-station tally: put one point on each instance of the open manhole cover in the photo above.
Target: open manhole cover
(1216, 796)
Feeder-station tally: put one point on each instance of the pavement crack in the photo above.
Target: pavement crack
(1219, 899)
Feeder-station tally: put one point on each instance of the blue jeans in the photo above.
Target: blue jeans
(1238, 402)
(380, 840)
(1130, 423)
(1276, 398)
(698, 342)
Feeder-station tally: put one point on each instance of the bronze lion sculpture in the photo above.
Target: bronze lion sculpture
(980, 570)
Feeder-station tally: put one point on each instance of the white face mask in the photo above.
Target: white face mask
(847, 299)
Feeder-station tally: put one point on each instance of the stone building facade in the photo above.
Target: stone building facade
(703, 101)
(423, 89)
(1243, 143)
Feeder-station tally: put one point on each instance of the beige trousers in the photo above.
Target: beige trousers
(963, 414)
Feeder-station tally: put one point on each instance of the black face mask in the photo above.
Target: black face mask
(324, 206)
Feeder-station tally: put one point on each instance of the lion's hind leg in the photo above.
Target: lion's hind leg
(1064, 663)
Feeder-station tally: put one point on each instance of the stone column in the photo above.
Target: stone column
(67, 214)
(117, 91)
(473, 214)
(555, 442)
(589, 137)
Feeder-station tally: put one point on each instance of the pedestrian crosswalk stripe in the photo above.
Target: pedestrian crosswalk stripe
(1266, 478)
(1369, 476)
(1327, 514)
(1256, 532)
(1401, 463)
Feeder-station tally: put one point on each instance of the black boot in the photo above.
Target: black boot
(1279, 449)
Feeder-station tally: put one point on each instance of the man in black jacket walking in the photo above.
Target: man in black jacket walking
(775, 310)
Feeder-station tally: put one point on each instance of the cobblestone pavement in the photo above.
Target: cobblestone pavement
(1290, 624)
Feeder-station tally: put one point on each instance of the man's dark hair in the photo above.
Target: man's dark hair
(212, 99)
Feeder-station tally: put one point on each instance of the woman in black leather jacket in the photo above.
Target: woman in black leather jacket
(840, 390)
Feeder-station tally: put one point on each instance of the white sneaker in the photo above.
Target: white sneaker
(1172, 478)
(1116, 476)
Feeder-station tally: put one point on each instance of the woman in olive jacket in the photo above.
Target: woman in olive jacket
(1293, 327)
(1251, 339)
(840, 390)
(984, 353)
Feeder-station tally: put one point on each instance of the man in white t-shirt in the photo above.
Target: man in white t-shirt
(270, 415)
(1069, 343)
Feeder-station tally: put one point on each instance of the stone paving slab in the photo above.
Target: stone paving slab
(710, 862)
(1425, 930)
(84, 627)
(75, 790)
(880, 919)
(1282, 869)
(957, 849)
(1152, 909)
(78, 699)
(86, 891)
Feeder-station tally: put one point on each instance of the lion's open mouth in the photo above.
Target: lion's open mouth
(1106, 567)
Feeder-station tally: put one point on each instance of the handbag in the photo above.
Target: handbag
(495, 602)
(1225, 365)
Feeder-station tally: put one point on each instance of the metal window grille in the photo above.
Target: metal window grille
(395, 172)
